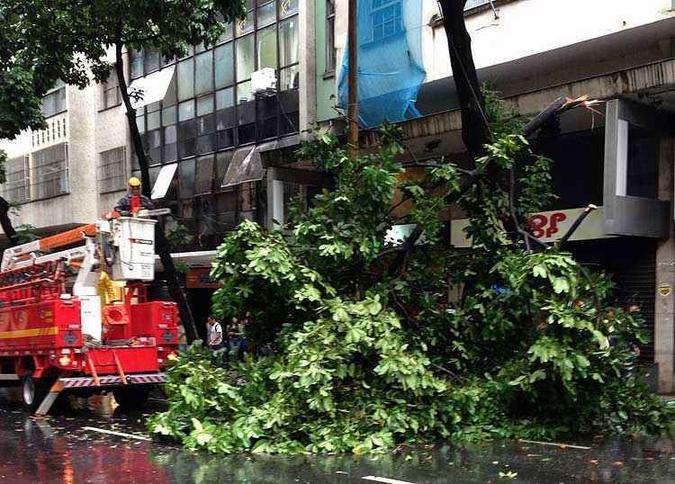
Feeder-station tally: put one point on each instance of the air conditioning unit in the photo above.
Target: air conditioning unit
(264, 82)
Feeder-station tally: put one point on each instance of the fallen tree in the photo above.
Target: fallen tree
(371, 350)
(370, 347)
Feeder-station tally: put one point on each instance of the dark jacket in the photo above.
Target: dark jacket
(124, 203)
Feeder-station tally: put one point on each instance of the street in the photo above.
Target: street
(68, 447)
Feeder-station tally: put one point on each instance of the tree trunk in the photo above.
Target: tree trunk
(6, 223)
(162, 244)
(475, 128)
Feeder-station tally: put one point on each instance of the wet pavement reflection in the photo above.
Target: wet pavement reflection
(59, 449)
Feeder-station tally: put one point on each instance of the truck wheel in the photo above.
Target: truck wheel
(33, 392)
(131, 398)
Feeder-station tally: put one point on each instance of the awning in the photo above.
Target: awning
(202, 258)
(246, 166)
(278, 144)
(163, 182)
(151, 88)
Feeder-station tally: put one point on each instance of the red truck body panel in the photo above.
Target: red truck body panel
(48, 325)
(46, 337)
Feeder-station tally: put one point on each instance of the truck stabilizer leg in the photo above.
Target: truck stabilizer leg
(49, 400)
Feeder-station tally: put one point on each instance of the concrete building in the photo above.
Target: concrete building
(49, 171)
(222, 154)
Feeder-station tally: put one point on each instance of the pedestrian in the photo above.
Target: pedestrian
(236, 341)
(182, 337)
(214, 333)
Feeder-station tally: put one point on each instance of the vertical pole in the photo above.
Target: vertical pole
(664, 306)
(353, 107)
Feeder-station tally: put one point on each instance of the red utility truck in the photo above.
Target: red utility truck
(75, 314)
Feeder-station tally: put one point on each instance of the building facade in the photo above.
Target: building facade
(222, 153)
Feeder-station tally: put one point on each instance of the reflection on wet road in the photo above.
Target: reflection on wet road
(59, 449)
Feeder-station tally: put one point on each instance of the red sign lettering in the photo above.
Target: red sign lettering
(546, 226)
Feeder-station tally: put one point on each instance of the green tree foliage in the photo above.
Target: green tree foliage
(370, 349)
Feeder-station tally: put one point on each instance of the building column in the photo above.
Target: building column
(664, 308)
(275, 200)
(307, 54)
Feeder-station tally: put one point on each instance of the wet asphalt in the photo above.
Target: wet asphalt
(61, 448)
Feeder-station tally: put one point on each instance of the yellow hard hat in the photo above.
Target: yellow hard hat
(134, 182)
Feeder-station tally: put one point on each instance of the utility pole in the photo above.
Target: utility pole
(353, 101)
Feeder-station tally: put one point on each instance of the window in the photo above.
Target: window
(267, 48)
(330, 37)
(204, 73)
(223, 60)
(245, 25)
(204, 175)
(136, 63)
(186, 81)
(225, 118)
(55, 101)
(288, 42)
(267, 14)
(209, 106)
(245, 59)
(111, 174)
(227, 35)
(642, 168)
(150, 61)
(288, 8)
(17, 184)
(153, 138)
(289, 78)
(111, 91)
(186, 179)
(49, 172)
(205, 125)
(144, 62)
(387, 19)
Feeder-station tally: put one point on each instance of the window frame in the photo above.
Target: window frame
(110, 84)
(331, 51)
(54, 93)
(22, 184)
(378, 7)
(38, 176)
(106, 163)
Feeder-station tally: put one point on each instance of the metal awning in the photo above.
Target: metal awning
(151, 88)
(286, 142)
(163, 182)
(202, 258)
(246, 166)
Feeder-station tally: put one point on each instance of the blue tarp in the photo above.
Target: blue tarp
(390, 70)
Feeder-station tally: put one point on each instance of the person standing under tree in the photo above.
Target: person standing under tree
(215, 333)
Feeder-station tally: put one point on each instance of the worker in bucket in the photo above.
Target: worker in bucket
(134, 199)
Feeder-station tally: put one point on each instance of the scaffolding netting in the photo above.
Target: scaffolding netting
(390, 66)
